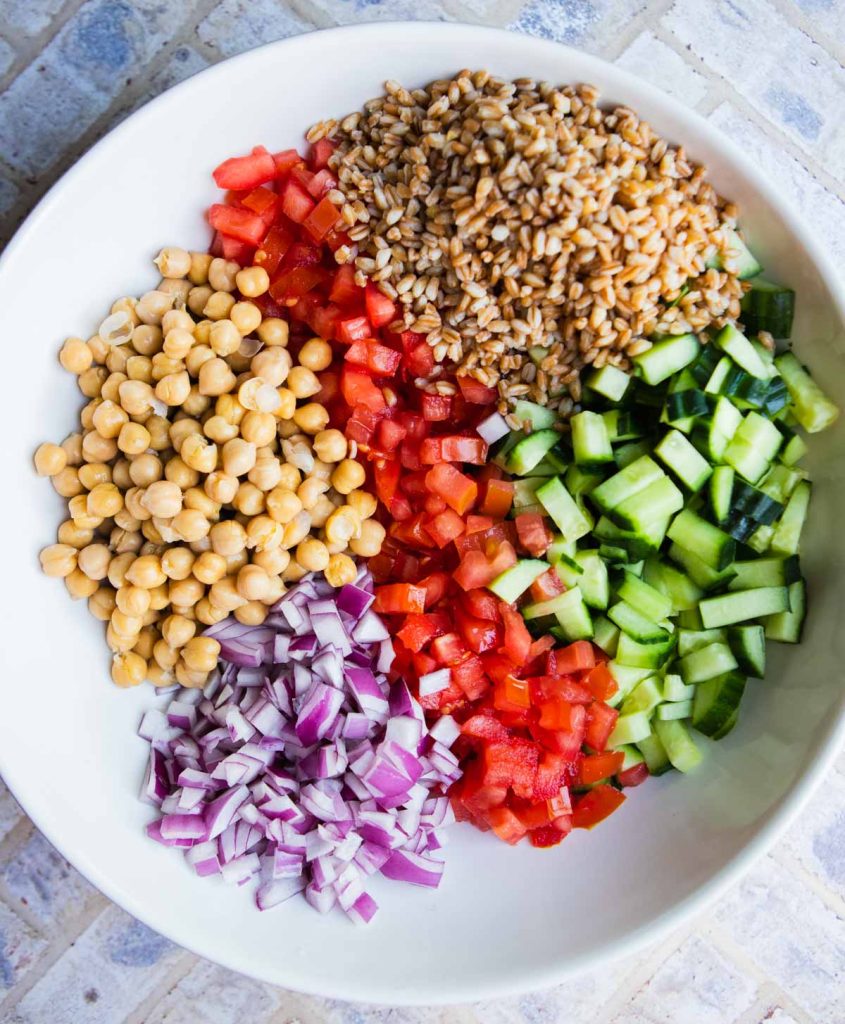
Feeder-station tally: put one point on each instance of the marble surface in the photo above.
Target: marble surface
(771, 73)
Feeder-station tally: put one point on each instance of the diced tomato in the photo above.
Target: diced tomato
(547, 586)
(263, 201)
(574, 658)
(497, 498)
(296, 202)
(246, 172)
(321, 219)
(560, 714)
(386, 475)
(381, 309)
(480, 634)
(232, 249)
(595, 806)
(293, 284)
(484, 727)
(506, 825)
(344, 290)
(323, 321)
(533, 533)
(361, 426)
(322, 182)
(378, 359)
(273, 248)
(478, 524)
(455, 488)
(600, 682)
(434, 505)
(356, 328)
(358, 389)
(600, 722)
(445, 527)
(552, 772)
(533, 816)
(435, 586)
(418, 630)
(389, 435)
(476, 392)
(517, 638)
(243, 225)
(454, 448)
(511, 694)
(633, 776)
(399, 597)
(449, 649)
(596, 767)
(512, 764)
(284, 162)
(546, 836)
(481, 604)
(476, 570)
(321, 150)
(420, 360)
(540, 647)
(436, 408)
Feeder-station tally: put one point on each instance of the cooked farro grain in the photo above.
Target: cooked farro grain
(526, 231)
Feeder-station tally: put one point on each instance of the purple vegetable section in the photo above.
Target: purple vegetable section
(299, 768)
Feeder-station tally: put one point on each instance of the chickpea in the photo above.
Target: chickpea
(246, 316)
(123, 541)
(224, 338)
(207, 614)
(275, 591)
(185, 593)
(258, 428)
(118, 567)
(145, 469)
(152, 307)
(173, 388)
(238, 457)
(252, 281)
(283, 505)
(136, 397)
(189, 678)
(222, 274)
(178, 343)
(287, 404)
(58, 560)
(342, 525)
(329, 445)
(273, 560)
(126, 625)
(133, 601)
(155, 539)
(264, 533)
(139, 368)
(362, 502)
(94, 560)
(72, 447)
(312, 554)
(116, 364)
(93, 473)
(147, 639)
(91, 381)
(177, 318)
(234, 563)
(50, 459)
(86, 414)
(228, 538)
(191, 525)
(293, 573)
(96, 448)
(274, 331)
(173, 262)
(198, 298)
(297, 450)
(176, 472)
(66, 482)
(197, 357)
(146, 572)
(221, 487)
(159, 597)
(219, 306)
(177, 563)
(159, 676)
(99, 348)
(310, 491)
(348, 476)
(273, 365)
(147, 339)
(176, 288)
(370, 541)
(201, 653)
(251, 614)
(133, 439)
(196, 404)
(198, 454)
(252, 582)
(176, 630)
(291, 477)
(219, 429)
(120, 474)
(159, 429)
(340, 570)
(165, 655)
(101, 603)
(104, 500)
(297, 529)
(266, 473)
(209, 567)
(315, 354)
(75, 356)
(79, 585)
(128, 669)
(125, 521)
(224, 595)
(163, 498)
(73, 535)
(196, 498)
(311, 418)
(200, 263)
(82, 518)
(230, 409)
(182, 428)
(250, 500)
(215, 377)
(302, 381)
(117, 643)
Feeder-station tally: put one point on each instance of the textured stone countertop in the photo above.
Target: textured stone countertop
(773, 950)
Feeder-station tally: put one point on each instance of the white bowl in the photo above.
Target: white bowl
(504, 920)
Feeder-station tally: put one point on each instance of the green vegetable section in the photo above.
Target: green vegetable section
(680, 503)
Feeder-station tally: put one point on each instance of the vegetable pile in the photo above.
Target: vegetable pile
(298, 768)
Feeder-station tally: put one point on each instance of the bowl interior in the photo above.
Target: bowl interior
(504, 919)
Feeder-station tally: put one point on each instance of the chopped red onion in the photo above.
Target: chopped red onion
(493, 428)
(299, 765)
(434, 682)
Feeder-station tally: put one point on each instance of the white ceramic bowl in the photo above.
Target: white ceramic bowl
(505, 919)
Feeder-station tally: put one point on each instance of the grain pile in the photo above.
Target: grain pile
(526, 231)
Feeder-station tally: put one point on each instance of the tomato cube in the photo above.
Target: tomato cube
(497, 498)
(596, 805)
(596, 767)
(246, 172)
(600, 722)
(574, 658)
(243, 225)
(445, 527)
(454, 487)
(534, 535)
(399, 597)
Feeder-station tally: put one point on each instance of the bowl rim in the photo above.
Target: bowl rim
(450, 991)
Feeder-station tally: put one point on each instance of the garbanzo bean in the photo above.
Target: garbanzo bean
(93, 473)
(310, 490)
(221, 487)
(197, 499)
(177, 630)
(79, 585)
(274, 331)
(330, 446)
(201, 653)
(173, 388)
(258, 428)
(312, 554)
(348, 476)
(75, 356)
(266, 473)
(50, 459)
(228, 538)
(342, 525)
(133, 439)
(315, 354)
(163, 498)
(340, 570)
(364, 503)
(252, 281)
(120, 474)
(177, 563)
(297, 529)
(101, 603)
(311, 418)
(78, 509)
(273, 365)
(191, 525)
(147, 639)
(252, 582)
(224, 595)
(146, 339)
(146, 572)
(238, 457)
(219, 305)
(215, 377)
(209, 567)
(253, 613)
(145, 469)
(224, 338)
(126, 625)
(94, 560)
(91, 381)
(76, 536)
(207, 614)
(72, 447)
(178, 473)
(66, 482)
(234, 563)
(133, 601)
(246, 316)
(197, 357)
(58, 560)
(370, 540)
(178, 343)
(173, 262)
(185, 592)
(302, 381)
(250, 500)
(128, 669)
(273, 560)
(104, 500)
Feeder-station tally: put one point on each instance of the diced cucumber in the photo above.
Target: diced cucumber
(742, 605)
(676, 452)
(593, 581)
(563, 509)
(704, 364)
(580, 481)
(690, 619)
(637, 544)
(815, 411)
(654, 504)
(755, 504)
(748, 644)
(573, 616)
(630, 729)
(590, 441)
(786, 539)
(675, 689)
(738, 255)
(721, 490)
(678, 743)
(656, 758)
(623, 425)
(631, 480)
(768, 307)
(635, 625)
(537, 417)
(636, 655)
(761, 538)
(525, 494)
(560, 548)
(707, 662)
(646, 599)
(667, 357)
(712, 545)
(723, 425)
(675, 709)
(786, 627)
(529, 451)
(780, 482)
(512, 583)
(627, 453)
(644, 697)
(743, 353)
(632, 756)
(542, 609)
(682, 406)
(716, 701)
(610, 382)
(753, 446)
(690, 640)
(502, 449)
(721, 372)
(627, 676)
(605, 635)
(765, 572)
(794, 451)
(698, 570)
